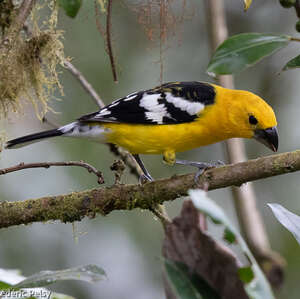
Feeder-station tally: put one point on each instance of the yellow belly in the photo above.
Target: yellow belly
(157, 139)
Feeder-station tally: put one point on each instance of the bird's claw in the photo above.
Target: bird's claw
(217, 163)
(202, 166)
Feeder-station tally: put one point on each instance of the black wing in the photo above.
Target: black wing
(170, 103)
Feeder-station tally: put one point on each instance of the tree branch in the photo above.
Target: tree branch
(22, 166)
(17, 24)
(74, 206)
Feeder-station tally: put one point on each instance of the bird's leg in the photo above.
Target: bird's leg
(157, 209)
(200, 165)
(146, 175)
(170, 158)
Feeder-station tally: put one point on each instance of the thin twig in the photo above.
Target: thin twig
(84, 83)
(22, 166)
(17, 24)
(127, 158)
(118, 168)
(108, 41)
(244, 197)
(160, 213)
(97, 18)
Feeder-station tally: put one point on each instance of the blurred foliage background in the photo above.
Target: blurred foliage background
(128, 244)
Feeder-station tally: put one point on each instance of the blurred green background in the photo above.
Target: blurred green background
(128, 244)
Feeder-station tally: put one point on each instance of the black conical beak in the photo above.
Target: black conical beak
(268, 137)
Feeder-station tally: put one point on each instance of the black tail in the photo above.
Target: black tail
(25, 140)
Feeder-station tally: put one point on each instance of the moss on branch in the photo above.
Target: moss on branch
(74, 206)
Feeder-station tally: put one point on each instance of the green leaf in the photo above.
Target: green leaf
(229, 236)
(12, 281)
(71, 7)
(4, 285)
(10, 277)
(186, 286)
(292, 64)
(246, 274)
(288, 219)
(255, 285)
(89, 273)
(243, 50)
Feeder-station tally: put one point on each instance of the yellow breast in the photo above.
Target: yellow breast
(156, 139)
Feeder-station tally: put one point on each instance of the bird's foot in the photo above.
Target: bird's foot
(202, 166)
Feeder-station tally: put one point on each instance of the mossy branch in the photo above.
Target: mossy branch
(74, 206)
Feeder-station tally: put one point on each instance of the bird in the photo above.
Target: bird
(172, 117)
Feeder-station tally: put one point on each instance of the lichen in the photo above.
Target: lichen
(28, 71)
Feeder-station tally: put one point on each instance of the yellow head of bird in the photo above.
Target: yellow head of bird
(251, 117)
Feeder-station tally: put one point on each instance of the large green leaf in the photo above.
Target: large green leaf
(12, 282)
(288, 219)
(254, 280)
(89, 273)
(243, 50)
(8, 278)
(185, 285)
(292, 64)
(71, 7)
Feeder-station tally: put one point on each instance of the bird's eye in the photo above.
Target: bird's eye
(252, 120)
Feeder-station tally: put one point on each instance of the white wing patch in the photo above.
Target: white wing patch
(150, 102)
(155, 111)
(192, 108)
(156, 117)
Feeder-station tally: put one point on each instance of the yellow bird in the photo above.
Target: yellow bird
(170, 118)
